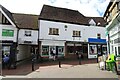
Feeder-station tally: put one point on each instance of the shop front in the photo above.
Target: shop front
(48, 46)
(79, 47)
(96, 47)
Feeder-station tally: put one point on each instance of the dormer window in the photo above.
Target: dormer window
(92, 22)
(98, 24)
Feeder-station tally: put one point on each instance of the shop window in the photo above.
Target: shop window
(93, 49)
(53, 31)
(28, 33)
(118, 50)
(98, 36)
(76, 33)
(45, 50)
(60, 51)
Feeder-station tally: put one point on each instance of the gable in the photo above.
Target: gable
(8, 15)
(92, 22)
(4, 20)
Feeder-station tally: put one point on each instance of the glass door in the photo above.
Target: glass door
(60, 51)
(6, 50)
(51, 48)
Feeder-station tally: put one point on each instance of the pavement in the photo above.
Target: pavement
(67, 70)
(70, 71)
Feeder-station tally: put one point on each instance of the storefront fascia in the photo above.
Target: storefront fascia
(96, 47)
(48, 45)
(8, 40)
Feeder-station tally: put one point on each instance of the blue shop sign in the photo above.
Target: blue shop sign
(96, 40)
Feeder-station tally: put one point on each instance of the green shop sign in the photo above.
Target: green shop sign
(7, 33)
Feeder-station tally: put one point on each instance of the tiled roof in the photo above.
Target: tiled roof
(26, 21)
(67, 15)
(98, 20)
(62, 15)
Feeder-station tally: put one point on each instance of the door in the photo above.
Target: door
(60, 51)
(6, 50)
(51, 48)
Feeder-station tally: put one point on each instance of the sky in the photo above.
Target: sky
(93, 8)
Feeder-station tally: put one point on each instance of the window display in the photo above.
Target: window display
(45, 50)
(93, 49)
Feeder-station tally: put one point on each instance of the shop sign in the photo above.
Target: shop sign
(7, 33)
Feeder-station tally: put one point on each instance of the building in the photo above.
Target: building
(19, 31)
(68, 31)
(8, 32)
(27, 35)
(112, 16)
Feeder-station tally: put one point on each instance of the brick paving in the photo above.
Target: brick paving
(26, 68)
(50, 69)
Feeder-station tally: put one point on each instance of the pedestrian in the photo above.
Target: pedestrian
(54, 54)
(77, 55)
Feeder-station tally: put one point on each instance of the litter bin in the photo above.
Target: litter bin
(118, 65)
(110, 62)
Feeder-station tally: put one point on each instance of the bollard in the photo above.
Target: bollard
(79, 59)
(59, 64)
(32, 64)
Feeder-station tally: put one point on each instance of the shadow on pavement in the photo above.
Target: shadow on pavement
(26, 68)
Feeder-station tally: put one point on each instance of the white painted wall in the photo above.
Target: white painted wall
(10, 27)
(86, 31)
(23, 52)
(33, 37)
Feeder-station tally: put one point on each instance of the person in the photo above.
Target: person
(77, 54)
(54, 52)
(5, 60)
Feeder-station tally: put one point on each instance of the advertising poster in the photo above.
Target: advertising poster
(93, 49)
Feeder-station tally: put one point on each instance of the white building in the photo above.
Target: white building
(8, 32)
(68, 31)
(27, 35)
(112, 16)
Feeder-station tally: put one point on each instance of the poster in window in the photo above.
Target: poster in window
(93, 49)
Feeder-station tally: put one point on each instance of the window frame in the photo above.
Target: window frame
(28, 32)
(76, 33)
(53, 31)
(98, 36)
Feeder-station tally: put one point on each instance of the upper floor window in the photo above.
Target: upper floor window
(28, 33)
(92, 22)
(0, 17)
(53, 31)
(76, 33)
(4, 20)
(98, 36)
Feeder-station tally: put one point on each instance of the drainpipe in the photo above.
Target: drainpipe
(108, 44)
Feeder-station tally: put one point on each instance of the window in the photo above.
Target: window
(98, 36)
(53, 31)
(4, 20)
(27, 33)
(0, 17)
(76, 34)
